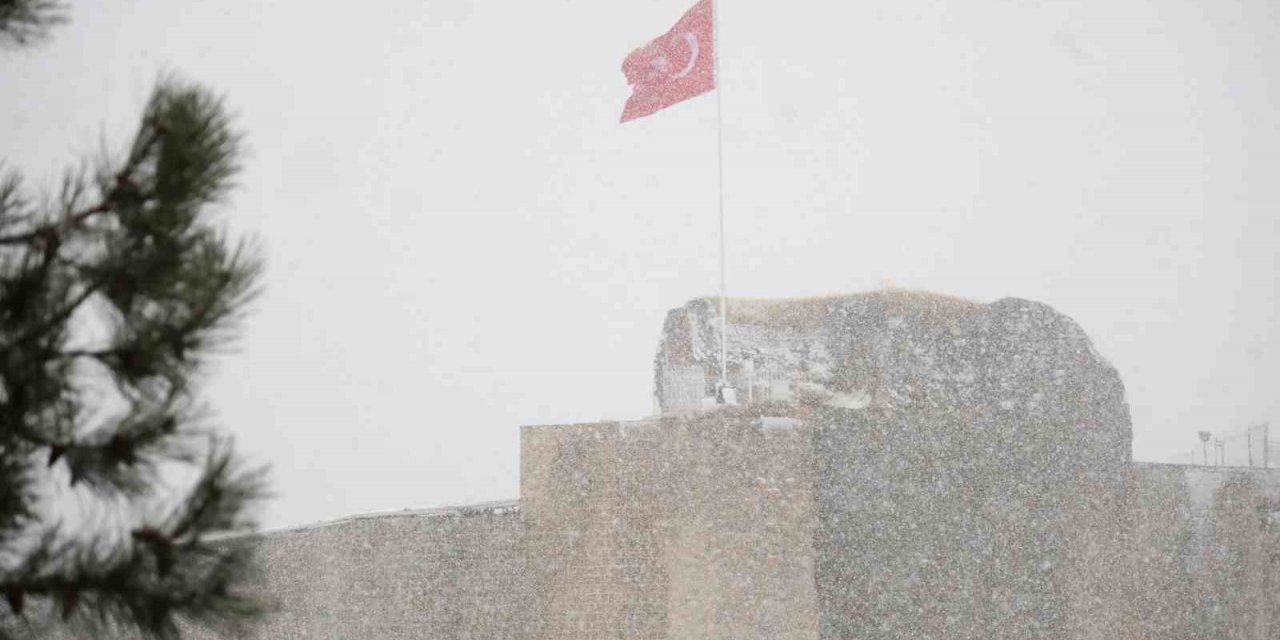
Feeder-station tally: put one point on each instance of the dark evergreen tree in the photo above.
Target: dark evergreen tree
(114, 290)
(23, 22)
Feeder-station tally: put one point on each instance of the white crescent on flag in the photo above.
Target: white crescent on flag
(692, 40)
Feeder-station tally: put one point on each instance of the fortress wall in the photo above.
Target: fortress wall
(592, 520)
(742, 522)
(981, 494)
(459, 574)
(1203, 552)
(850, 524)
(906, 549)
(946, 470)
(936, 526)
(693, 526)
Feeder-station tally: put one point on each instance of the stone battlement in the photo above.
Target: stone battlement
(936, 468)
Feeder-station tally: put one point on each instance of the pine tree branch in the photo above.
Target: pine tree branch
(13, 203)
(173, 286)
(154, 574)
(17, 498)
(71, 354)
(216, 501)
(57, 229)
(124, 192)
(61, 316)
(129, 588)
(24, 22)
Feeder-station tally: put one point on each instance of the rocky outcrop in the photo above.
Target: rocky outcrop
(897, 349)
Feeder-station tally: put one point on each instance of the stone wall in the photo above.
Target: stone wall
(936, 527)
(944, 469)
(797, 522)
(452, 573)
(686, 527)
(977, 499)
(1204, 552)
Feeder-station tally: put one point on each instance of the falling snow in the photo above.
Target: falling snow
(915, 467)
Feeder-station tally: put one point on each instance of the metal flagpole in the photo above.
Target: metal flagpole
(715, 35)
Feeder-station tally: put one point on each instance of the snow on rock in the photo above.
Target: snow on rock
(894, 349)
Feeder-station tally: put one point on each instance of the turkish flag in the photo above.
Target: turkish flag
(674, 67)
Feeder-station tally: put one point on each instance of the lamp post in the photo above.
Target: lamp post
(1204, 441)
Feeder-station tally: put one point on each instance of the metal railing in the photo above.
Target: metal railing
(765, 383)
(685, 386)
(1255, 446)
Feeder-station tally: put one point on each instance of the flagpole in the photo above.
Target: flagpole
(715, 35)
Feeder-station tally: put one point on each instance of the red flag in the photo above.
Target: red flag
(674, 67)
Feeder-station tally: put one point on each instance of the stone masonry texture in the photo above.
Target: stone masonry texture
(937, 469)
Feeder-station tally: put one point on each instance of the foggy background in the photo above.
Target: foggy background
(461, 239)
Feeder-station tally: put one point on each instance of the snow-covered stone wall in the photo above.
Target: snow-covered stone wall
(1203, 557)
(693, 526)
(441, 573)
(916, 467)
(764, 521)
(989, 460)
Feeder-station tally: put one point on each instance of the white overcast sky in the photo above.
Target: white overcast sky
(462, 239)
